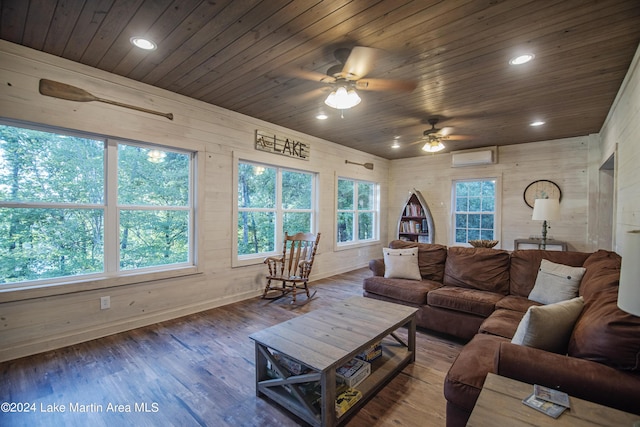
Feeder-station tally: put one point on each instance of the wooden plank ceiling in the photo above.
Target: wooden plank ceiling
(266, 58)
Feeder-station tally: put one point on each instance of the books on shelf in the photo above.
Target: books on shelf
(295, 368)
(411, 226)
(413, 209)
(371, 353)
(353, 372)
(346, 400)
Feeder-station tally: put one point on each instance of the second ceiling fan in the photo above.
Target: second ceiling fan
(433, 142)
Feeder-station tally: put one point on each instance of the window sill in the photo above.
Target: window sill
(347, 246)
(25, 292)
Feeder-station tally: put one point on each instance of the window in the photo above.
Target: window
(357, 211)
(82, 205)
(271, 201)
(474, 210)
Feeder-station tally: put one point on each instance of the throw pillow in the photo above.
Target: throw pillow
(556, 282)
(549, 327)
(401, 263)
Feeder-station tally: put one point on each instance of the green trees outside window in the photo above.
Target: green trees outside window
(475, 210)
(271, 201)
(357, 211)
(58, 202)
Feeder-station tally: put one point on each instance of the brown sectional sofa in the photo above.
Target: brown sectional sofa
(480, 295)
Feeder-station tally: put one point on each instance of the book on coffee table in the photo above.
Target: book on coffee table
(548, 408)
(550, 395)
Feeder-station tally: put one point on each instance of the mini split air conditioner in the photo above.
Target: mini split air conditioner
(484, 156)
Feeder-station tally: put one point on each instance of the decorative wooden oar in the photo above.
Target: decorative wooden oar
(72, 93)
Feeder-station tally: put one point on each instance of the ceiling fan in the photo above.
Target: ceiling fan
(433, 139)
(349, 75)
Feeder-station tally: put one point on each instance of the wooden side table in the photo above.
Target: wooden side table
(552, 244)
(500, 404)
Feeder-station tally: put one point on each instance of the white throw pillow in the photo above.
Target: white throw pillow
(549, 327)
(401, 263)
(556, 282)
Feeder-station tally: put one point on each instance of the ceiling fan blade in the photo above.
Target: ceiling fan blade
(384, 84)
(314, 76)
(310, 95)
(459, 137)
(360, 62)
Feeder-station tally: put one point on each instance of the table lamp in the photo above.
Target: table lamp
(546, 210)
(629, 290)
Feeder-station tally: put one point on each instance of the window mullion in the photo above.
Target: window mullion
(111, 229)
(356, 235)
(279, 228)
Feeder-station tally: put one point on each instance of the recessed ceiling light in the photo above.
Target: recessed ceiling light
(322, 116)
(536, 123)
(522, 59)
(143, 43)
(395, 144)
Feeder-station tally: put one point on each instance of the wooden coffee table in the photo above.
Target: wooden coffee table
(500, 404)
(326, 339)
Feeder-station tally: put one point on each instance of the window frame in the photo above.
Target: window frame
(497, 220)
(252, 259)
(111, 275)
(356, 242)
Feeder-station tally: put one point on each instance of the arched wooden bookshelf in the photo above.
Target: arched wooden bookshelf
(415, 223)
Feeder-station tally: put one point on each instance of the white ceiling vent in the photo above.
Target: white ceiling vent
(483, 156)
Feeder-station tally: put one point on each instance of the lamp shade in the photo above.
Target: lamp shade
(629, 290)
(546, 210)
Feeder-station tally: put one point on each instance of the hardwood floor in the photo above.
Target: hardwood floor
(199, 370)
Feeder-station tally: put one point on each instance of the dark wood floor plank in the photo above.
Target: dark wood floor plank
(198, 370)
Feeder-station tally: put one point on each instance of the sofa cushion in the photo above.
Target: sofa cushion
(403, 290)
(603, 272)
(466, 376)
(525, 265)
(401, 263)
(431, 258)
(515, 303)
(481, 303)
(478, 268)
(502, 323)
(606, 334)
(549, 327)
(556, 282)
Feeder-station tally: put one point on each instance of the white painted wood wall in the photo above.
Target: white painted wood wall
(621, 136)
(564, 162)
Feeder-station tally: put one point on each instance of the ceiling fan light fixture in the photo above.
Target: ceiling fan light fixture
(433, 145)
(342, 99)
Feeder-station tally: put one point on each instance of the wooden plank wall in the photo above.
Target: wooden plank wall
(621, 137)
(52, 321)
(564, 162)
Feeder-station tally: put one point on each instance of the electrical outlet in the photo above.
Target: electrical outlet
(105, 302)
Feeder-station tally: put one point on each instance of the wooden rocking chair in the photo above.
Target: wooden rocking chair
(292, 269)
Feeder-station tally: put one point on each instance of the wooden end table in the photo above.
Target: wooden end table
(500, 404)
(325, 339)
